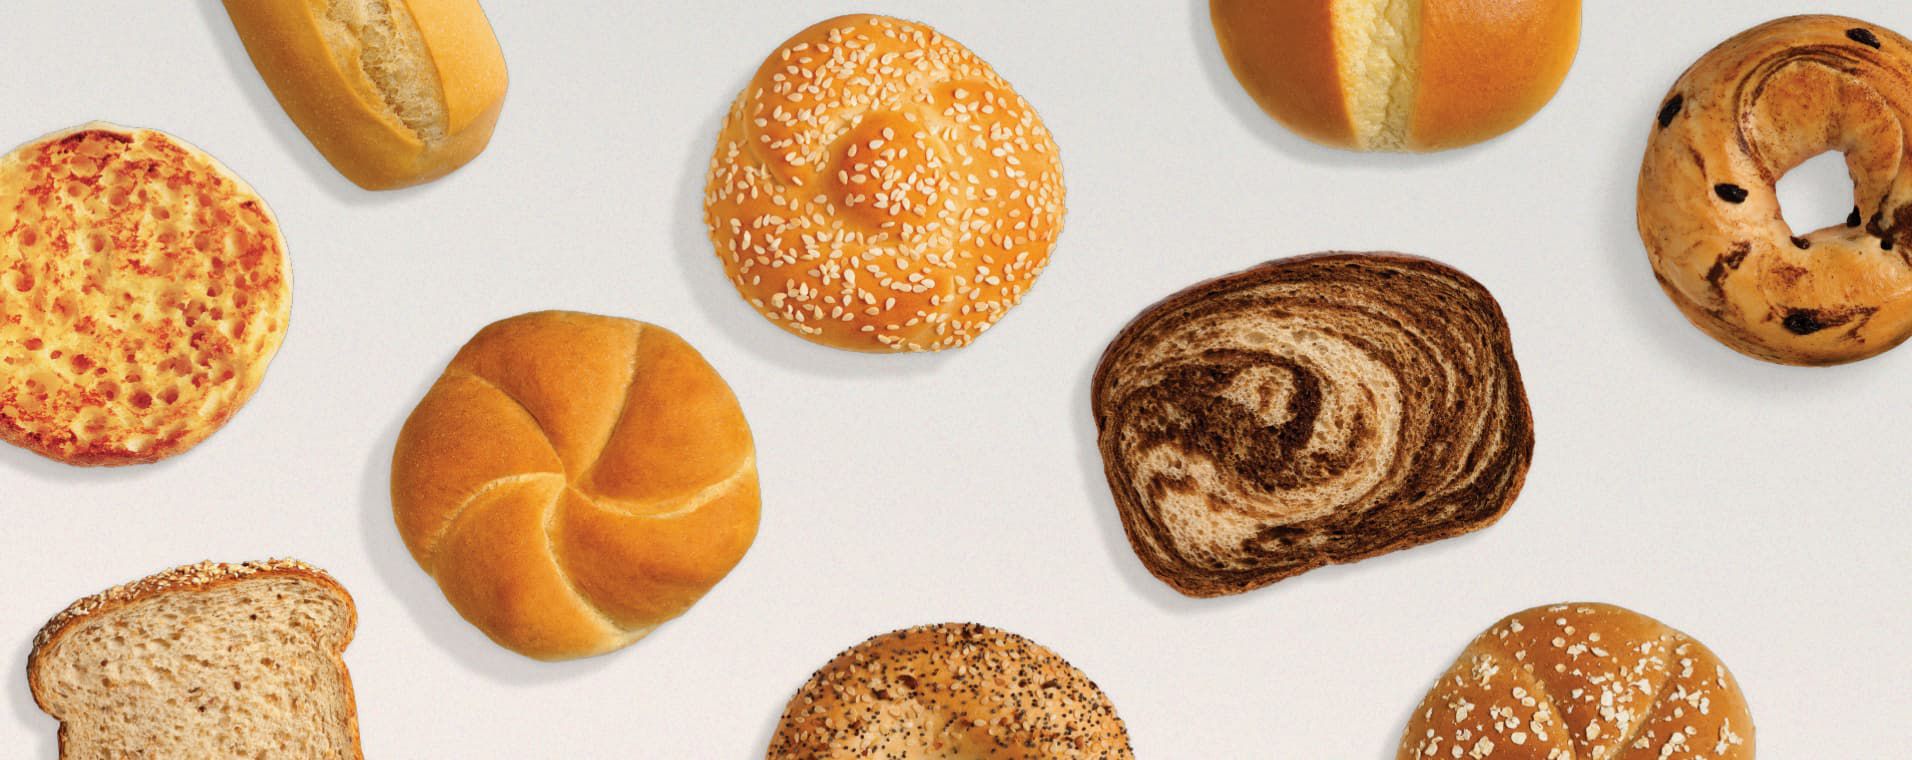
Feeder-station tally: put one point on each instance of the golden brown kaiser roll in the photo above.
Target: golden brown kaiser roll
(573, 481)
(392, 92)
(1399, 75)
(950, 691)
(877, 187)
(1758, 105)
(1310, 411)
(1582, 681)
(143, 291)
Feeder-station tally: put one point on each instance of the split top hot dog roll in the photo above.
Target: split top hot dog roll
(393, 92)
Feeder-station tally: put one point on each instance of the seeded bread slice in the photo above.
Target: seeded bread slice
(203, 661)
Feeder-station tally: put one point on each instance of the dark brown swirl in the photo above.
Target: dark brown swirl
(1751, 110)
(1306, 412)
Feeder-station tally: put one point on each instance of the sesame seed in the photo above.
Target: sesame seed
(866, 159)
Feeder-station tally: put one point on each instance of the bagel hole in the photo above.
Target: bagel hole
(1816, 194)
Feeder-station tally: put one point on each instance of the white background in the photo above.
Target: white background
(1763, 509)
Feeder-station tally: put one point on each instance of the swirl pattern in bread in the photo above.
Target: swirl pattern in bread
(1582, 681)
(1751, 110)
(950, 691)
(877, 187)
(1310, 411)
(573, 481)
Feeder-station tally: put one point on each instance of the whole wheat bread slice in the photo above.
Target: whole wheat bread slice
(1307, 412)
(203, 661)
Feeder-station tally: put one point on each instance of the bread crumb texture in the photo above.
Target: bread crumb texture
(877, 187)
(143, 290)
(954, 691)
(1310, 411)
(380, 40)
(1582, 682)
(205, 660)
(1375, 42)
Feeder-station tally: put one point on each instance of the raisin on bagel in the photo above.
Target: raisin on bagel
(950, 691)
(1754, 108)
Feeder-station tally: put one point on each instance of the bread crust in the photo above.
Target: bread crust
(1583, 680)
(1475, 69)
(1487, 66)
(951, 690)
(198, 577)
(573, 481)
(1281, 545)
(147, 289)
(342, 111)
(1746, 113)
(878, 187)
(1283, 54)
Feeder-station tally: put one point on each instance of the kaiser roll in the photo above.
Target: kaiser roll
(573, 481)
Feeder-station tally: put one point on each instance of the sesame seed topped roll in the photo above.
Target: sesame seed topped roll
(877, 187)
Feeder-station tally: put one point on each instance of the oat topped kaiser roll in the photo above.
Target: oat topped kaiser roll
(1582, 680)
(877, 187)
(143, 290)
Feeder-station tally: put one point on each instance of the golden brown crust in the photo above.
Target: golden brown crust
(1310, 411)
(877, 187)
(573, 481)
(1283, 54)
(1749, 111)
(950, 690)
(198, 577)
(331, 97)
(1487, 66)
(1424, 75)
(1582, 681)
(143, 292)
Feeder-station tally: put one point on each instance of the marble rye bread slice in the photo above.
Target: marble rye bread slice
(1310, 411)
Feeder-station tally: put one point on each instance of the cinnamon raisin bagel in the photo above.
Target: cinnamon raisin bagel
(1749, 111)
(950, 691)
(1306, 412)
(1582, 681)
(877, 187)
(143, 290)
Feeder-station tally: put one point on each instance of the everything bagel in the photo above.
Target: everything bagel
(950, 691)
(1755, 107)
